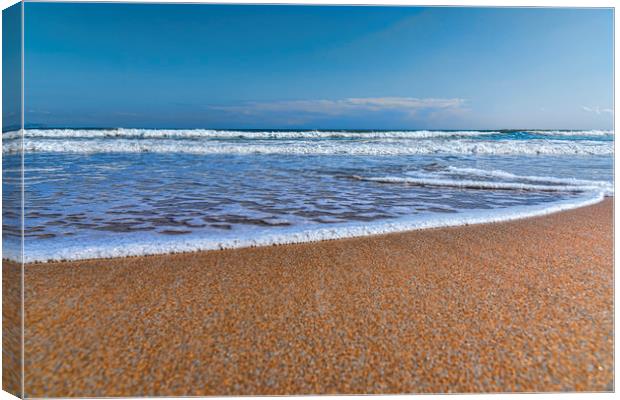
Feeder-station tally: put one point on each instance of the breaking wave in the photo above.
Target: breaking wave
(334, 147)
(205, 141)
(124, 133)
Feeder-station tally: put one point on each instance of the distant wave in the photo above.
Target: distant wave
(128, 133)
(457, 147)
(125, 133)
(203, 141)
(594, 132)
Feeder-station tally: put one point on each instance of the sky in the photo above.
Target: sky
(311, 67)
(12, 68)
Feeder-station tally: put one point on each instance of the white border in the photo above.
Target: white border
(482, 3)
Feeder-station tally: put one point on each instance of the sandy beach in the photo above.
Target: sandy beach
(517, 306)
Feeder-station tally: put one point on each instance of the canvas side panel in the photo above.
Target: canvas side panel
(12, 199)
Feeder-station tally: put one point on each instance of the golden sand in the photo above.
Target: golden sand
(516, 306)
(11, 327)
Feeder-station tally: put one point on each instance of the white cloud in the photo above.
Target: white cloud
(407, 105)
(597, 110)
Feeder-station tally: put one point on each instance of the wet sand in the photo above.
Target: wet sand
(517, 306)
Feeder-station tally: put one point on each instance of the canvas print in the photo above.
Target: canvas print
(228, 199)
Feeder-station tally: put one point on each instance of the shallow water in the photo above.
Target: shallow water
(102, 193)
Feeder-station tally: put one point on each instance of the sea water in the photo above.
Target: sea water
(92, 193)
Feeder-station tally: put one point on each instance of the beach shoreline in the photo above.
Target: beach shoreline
(524, 305)
(195, 244)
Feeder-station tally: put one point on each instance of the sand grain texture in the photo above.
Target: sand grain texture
(517, 306)
(12, 327)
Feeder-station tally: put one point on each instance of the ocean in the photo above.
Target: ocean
(93, 193)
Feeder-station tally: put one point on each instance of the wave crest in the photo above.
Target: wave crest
(126, 133)
(421, 147)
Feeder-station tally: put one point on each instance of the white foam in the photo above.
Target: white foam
(124, 133)
(205, 141)
(607, 187)
(11, 135)
(128, 133)
(327, 147)
(116, 247)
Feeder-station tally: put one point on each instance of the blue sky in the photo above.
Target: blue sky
(225, 66)
(11, 67)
